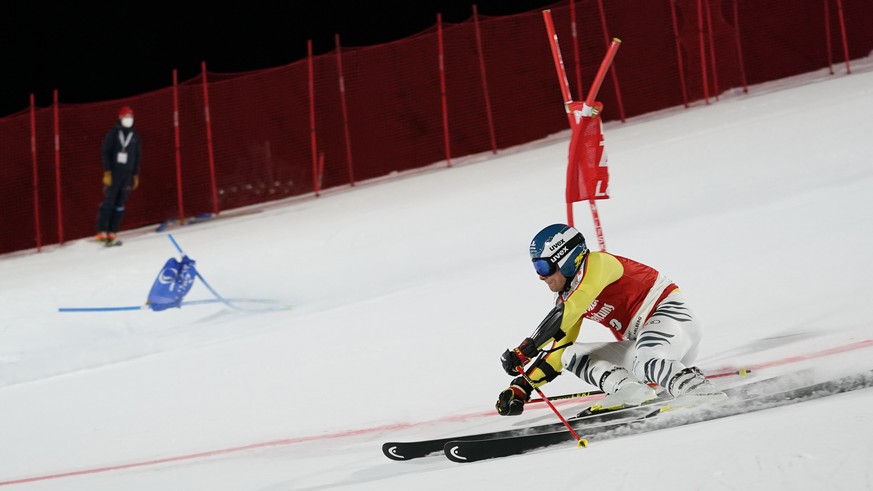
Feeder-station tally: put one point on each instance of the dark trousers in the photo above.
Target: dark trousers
(112, 209)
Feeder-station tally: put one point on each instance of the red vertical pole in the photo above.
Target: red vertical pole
(739, 48)
(576, 58)
(488, 114)
(562, 82)
(843, 31)
(320, 168)
(342, 91)
(611, 67)
(58, 166)
(178, 146)
(443, 90)
(712, 50)
(702, 50)
(206, 114)
(827, 22)
(35, 173)
(312, 140)
(679, 54)
(589, 101)
(559, 64)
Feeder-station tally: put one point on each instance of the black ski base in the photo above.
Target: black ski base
(422, 448)
(585, 420)
(743, 399)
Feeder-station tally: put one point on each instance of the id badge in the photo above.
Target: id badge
(122, 157)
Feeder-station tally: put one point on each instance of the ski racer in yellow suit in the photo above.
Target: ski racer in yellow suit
(656, 333)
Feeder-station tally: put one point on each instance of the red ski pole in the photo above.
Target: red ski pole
(580, 442)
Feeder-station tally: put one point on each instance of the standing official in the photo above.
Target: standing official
(121, 160)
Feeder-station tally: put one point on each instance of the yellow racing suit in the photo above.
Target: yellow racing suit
(612, 290)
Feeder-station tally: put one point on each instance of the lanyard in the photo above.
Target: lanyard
(124, 141)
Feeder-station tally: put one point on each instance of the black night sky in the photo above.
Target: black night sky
(99, 50)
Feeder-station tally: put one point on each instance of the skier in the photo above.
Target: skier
(656, 332)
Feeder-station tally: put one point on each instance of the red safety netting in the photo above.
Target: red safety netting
(298, 129)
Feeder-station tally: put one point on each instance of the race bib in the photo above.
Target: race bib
(122, 157)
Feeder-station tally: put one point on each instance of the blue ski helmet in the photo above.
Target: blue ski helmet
(558, 246)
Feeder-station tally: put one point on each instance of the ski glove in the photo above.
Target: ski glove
(107, 178)
(511, 401)
(518, 357)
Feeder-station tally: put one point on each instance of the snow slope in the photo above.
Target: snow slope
(404, 292)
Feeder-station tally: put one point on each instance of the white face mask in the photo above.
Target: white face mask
(127, 121)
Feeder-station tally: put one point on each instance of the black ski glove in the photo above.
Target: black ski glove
(518, 357)
(511, 401)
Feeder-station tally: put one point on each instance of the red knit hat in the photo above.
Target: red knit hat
(125, 111)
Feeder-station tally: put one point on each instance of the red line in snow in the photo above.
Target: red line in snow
(376, 429)
(810, 356)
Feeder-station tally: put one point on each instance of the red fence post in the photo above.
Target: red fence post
(679, 53)
(178, 146)
(611, 67)
(342, 91)
(712, 50)
(57, 132)
(740, 48)
(843, 31)
(215, 209)
(312, 140)
(702, 50)
(827, 23)
(320, 168)
(443, 90)
(481, 54)
(35, 173)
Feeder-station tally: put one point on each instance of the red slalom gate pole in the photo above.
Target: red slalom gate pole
(601, 72)
(587, 108)
(581, 442)
(559, 64)
(562, 81)
(577, 65)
